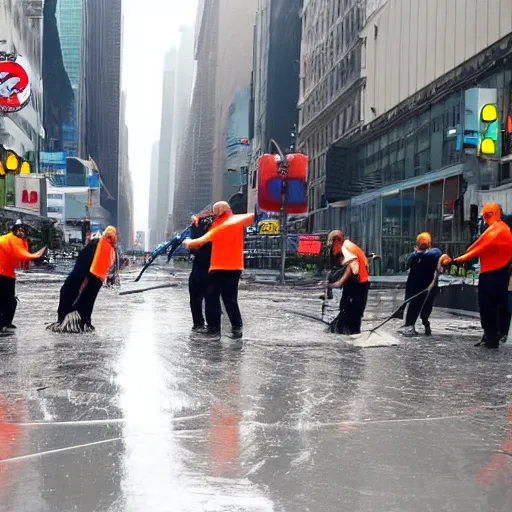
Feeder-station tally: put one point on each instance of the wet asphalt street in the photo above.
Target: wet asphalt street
(140, 416)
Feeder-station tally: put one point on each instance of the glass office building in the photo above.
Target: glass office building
(69, 22)
(402, 178)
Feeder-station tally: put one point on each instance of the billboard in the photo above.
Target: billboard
(14, 84)
(54, 159)
(30, 193)
(53, 164)
(236, 151)
(309, 245)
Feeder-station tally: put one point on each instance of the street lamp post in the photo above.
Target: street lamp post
(282, 169)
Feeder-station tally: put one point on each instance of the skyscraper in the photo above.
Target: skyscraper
(153, 197)
(166, 145)
(232, 95)
(275, 79)
(182, 95)
(58, 95)
(194, 182)
(70, 26)
(125, 200)
(103, 91)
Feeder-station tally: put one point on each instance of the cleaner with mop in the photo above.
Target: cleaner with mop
(353, 278)
(198, 279)
(494, 248)
(423, 265)
(227, 262)
(13, 251)
(79, 291)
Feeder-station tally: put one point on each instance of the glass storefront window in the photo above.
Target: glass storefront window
(391, 255)
(421, 202)
(10, 199)
(391, 215)
(451, 194)
(434, 212)
(408, 214)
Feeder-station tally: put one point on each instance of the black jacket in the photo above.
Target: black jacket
(85, 256)
(203, 255)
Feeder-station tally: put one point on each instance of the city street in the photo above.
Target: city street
(140, 416)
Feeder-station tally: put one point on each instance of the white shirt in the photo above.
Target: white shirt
(350, 258)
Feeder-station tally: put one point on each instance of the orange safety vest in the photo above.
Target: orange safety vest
(104, 257)
(227, 240)
(13, 251)
(361, 258)
(493, 247)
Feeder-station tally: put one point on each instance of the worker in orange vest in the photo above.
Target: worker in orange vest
(424, 265)
(13, 251)
(352, 277)
(494, 248)
(79, 291)
(227, 262)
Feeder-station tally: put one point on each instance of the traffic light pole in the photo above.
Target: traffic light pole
(282, 169)
(283, 230)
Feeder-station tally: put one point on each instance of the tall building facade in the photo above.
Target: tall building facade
(331, 84)
(182, 97)
(21, 32)
(391, 97)
(103, 93)
(69, 15)
(165, 154)
(194, 183)
(232, 96)
(125, 216)
(153, 197)
(275, 80)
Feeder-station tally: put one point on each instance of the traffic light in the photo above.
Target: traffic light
(489, 129)
(12, 163)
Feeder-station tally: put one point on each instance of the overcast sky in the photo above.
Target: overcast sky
(150, 28)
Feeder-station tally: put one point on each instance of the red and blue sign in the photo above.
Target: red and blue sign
(14, 86)
(270, 183)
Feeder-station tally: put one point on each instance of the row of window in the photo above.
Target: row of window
(325, 51)
(346, 72)
(426, 143)
(319, 15)
(388, 225)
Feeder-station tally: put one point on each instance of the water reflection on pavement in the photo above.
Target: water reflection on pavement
(140, 416)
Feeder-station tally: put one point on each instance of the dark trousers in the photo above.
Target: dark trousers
(88, 298)
(421, 307)
(70, 291)
(7, 300)
(493, 303)
(223, 283)
(352, 306)
(197, 287)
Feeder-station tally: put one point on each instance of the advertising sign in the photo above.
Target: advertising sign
(57, 158)
(14, 85)
(268, 227)
(30, 193)
(309, 244)
(53, 164)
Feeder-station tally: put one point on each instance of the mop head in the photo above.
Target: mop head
(72, 323)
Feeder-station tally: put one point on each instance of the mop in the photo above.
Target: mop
(72, 322)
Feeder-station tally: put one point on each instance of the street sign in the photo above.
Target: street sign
(268, 227)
